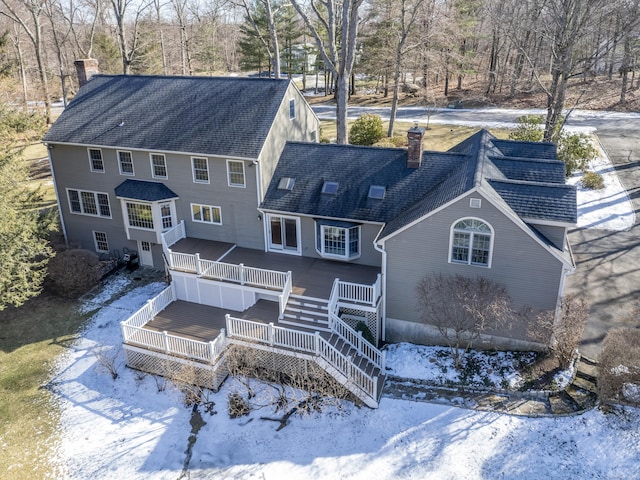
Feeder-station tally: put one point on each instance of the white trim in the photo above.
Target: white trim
(95, 241)
(193, 219)
(153, 173)
(471, 236)
(146, 150)
(550, 223)
(244, 176)
(91, 160)
(193, 170)
(58, 197)
(133, 170)
(314, 217)
(289, 251)
(95, 194)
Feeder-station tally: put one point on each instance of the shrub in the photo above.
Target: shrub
(619, 369)
(576, 151)
(592, 180)
(366, 333)
(238, 406)
(366, 130)
(569, 328)
(530, 129)
(73, 272)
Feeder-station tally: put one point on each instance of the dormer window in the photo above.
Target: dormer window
(330, 188)
(377, 192)
(286, 183)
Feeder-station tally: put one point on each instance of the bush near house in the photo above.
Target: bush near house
(366, 130)
(73, 272)
(592, 180)
(619, 369)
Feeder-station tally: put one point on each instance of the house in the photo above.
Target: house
(289, 247)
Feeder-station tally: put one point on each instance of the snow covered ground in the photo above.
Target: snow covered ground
(126, 429)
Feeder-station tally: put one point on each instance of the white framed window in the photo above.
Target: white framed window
(292, 109)
(125, 161)
(166, 216)
(101, 242)
(158, 166)
(96, 162)
(206, 214)
(140, 215)
(85, 202)
(235, 173)
(200, 169)
(336, 241)
(471, 242)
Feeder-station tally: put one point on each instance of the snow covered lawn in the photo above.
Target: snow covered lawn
(127, 429)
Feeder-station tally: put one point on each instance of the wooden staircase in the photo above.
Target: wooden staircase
(307, 312)
(312, 314)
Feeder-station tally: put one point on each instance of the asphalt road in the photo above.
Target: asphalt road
(607, 262)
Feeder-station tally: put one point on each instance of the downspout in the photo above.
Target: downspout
(258, 166)
(384, 283)
(55, 188)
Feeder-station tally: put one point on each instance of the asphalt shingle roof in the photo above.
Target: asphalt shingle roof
(356, 169)
(539, 200)
(525, 176)
(145, 191)
(206, 115)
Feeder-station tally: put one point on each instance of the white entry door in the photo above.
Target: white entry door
(146, 256)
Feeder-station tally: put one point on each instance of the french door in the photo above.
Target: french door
(284, 234)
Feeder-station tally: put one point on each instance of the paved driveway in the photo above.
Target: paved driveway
(608, 263)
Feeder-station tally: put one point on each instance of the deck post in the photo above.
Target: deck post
(241, 273)
(317, 342)
(170, 258)
(165, 338)
(384, 360)
(124, 331)
(227, 322)
(271, 334)
(198, 268)
(360, 342)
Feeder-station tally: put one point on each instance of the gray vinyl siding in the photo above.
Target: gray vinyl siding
(299, 129)
(531, 274)
(368, 232)
(240, 222)
(556, 235)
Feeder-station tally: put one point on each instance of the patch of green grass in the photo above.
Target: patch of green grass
(31, 337)
(438, 137)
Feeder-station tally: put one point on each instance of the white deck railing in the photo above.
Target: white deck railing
(311, 343)
(355, 339)
(283, 298)
(359, 293)
(173, 235)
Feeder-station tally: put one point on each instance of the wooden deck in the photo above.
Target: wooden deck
(203, 323)
(312, 277)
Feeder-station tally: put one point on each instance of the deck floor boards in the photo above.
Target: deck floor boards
(203, 323)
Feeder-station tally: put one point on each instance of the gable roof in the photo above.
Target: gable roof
(524, 177)
(145, 191)
(226, 116)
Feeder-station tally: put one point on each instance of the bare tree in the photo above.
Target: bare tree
(31, 23)
(408, 14)
(336, 41)
(128, 46)
(462, 308)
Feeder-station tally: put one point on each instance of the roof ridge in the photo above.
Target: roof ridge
(524, 159)
(192, 77)
(530, 142)
(528, 182)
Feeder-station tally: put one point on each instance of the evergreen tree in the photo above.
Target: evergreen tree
(24, 249)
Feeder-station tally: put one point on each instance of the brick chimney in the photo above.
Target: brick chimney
(414, 152)
(86, 69)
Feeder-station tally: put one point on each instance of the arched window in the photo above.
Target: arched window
(471, 242)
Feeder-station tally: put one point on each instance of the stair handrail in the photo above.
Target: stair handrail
(356, 340)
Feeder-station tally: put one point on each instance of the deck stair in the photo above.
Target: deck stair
(306, 312)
